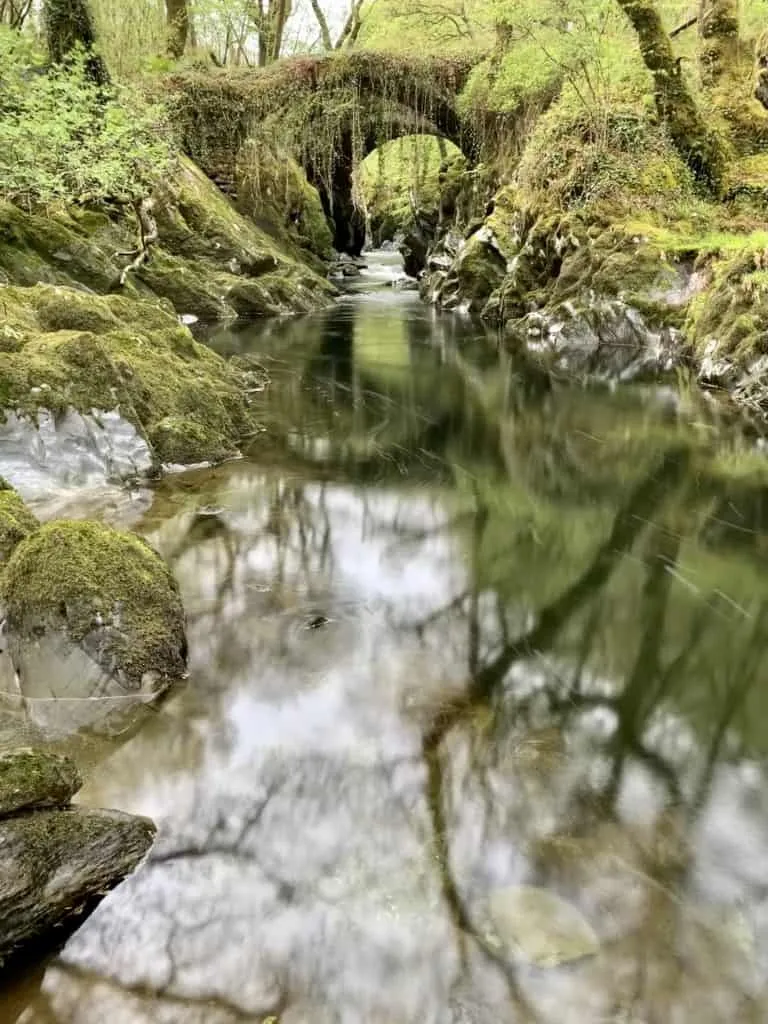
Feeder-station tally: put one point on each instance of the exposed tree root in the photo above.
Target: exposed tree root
(148, 235)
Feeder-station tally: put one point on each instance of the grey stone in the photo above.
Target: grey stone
(54, 864)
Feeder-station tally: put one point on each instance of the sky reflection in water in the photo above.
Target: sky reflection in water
(455, 626)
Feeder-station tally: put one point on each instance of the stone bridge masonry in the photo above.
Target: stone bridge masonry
(330, 111)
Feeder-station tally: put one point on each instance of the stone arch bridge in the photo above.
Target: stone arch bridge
(329, 111)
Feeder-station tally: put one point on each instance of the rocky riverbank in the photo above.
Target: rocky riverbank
(56, 860)
(602, 256)
(109, 373)
(93, 630)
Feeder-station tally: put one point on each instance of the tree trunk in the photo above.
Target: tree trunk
(674, 102)
(322, 22)
(719, 35)
(177, 22)
(67, 23)
(270, 24)
(761, 70)
(353, 24)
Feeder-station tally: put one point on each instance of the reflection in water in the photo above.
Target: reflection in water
(459, 628)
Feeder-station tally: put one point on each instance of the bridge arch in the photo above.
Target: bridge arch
(329, 112)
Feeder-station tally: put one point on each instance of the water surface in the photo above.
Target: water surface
(458, 630)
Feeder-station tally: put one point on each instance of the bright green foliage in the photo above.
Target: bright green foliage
(403, 170)
(130, 36)
(625, 158)
(584, 43)
(431, 26)
(61, 139)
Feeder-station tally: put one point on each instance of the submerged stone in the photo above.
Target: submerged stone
(540, 927)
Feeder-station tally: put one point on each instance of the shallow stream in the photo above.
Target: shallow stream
(477, 718)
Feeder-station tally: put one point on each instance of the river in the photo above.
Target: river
(476, 723)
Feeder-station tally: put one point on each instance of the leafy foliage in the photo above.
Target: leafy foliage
(62, 138)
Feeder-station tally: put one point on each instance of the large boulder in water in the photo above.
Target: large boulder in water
(94, 611)
(55, 862)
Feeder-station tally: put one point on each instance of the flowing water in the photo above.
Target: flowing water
(477, 717)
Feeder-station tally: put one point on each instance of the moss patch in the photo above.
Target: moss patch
(92, 581)
(36, 778)
(16, 522)
(273, 192)
(730, 320)
(623, 159)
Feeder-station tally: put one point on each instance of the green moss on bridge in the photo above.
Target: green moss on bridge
(317, 108)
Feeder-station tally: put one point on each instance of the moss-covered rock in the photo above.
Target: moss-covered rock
(16, 522)
(620, 157)
(727, 325)
(477, 272)
(273, 192)
(55, 864)
(36, 778)
(103, 590)
(78, 350)
(206, 248)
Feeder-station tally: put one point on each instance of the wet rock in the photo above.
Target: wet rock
(70, 449)
(117, 384)
(36, 778)
(414, 249)
(540, 927)
(55, 864)
(605, 339)
(346, 266)
(466, 274)
(83, 596)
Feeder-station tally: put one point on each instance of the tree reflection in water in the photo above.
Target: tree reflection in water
(539, 662)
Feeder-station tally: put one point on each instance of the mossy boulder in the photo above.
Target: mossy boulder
(477, 272)
(77, 350)
(56, 864)
(16, 522)
(732, 313)
(205, 249)
(104, 591)
(728, 324)
(36, 778)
